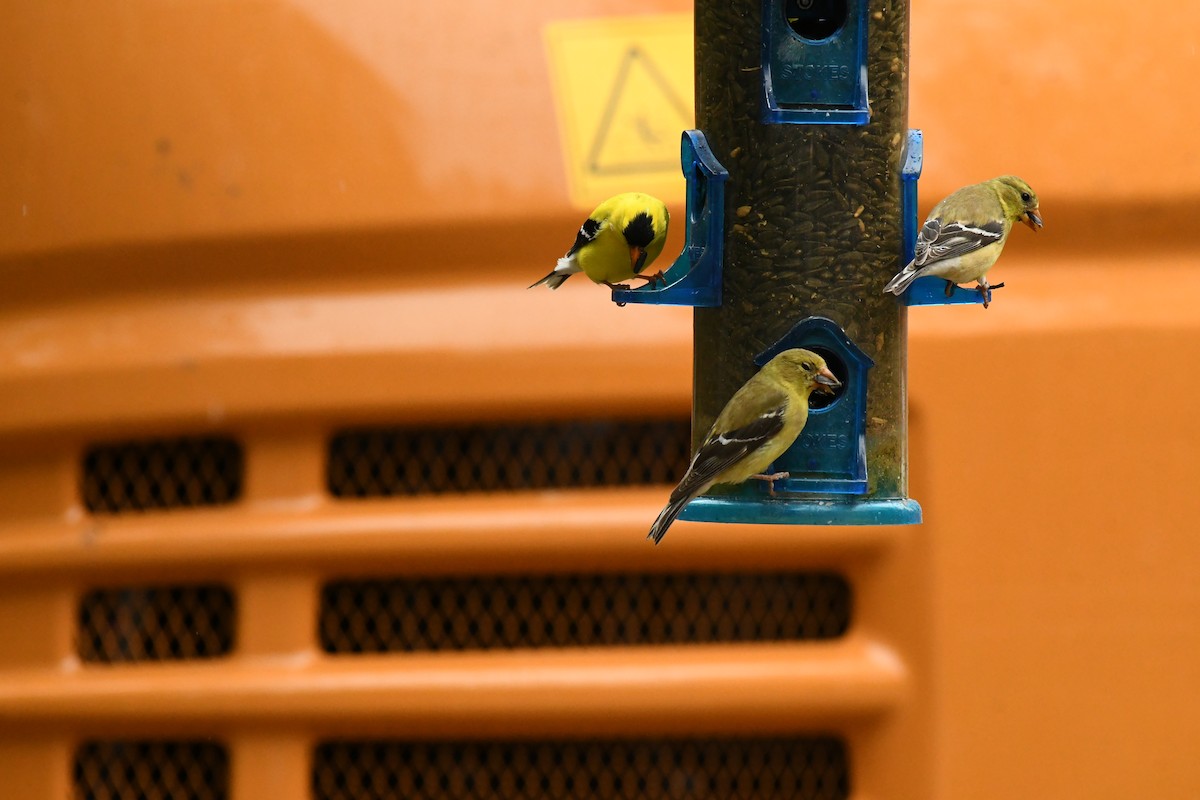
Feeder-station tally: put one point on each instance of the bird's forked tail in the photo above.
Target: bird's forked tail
(565, 268)
(668, 515)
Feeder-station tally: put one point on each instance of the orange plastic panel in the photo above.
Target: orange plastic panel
(273, 220)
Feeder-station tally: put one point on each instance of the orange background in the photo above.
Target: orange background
(278, 217)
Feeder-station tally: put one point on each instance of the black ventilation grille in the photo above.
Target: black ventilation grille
(161, 623)
(566, 455)
(745, 769)
(154, 770)
(379, 616)
(162, 473)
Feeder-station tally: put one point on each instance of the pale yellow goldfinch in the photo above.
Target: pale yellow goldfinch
(759, 423)
(966, 232)
(616, 242)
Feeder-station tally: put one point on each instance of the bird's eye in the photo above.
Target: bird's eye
(1025, 198)
(807, 366)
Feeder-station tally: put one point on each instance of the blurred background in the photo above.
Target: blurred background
(303, 495)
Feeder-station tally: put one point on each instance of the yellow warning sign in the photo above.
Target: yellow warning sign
(623, 86)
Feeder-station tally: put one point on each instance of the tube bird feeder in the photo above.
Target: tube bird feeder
(804, 104)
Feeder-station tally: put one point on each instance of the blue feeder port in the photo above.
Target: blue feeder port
(827, 465)
(831, 454)
(694, 279)
(814, 62)
(923, 291)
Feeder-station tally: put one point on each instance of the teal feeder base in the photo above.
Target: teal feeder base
(791, 511)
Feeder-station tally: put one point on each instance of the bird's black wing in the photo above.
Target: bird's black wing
(587, 232)
(940, 240)
(723, 450)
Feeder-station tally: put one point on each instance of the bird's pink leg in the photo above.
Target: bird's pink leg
(770, 479)
(653, 279)
(986, 290)
(616, 285)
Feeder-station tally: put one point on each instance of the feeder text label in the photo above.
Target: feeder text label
(810, 72)
(825, 440)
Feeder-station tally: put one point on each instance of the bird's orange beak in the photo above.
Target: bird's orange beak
(1033, 218)
(637, 258)
(826, 381)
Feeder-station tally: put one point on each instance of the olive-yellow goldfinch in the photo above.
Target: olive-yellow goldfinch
(616, 242)
(965, 233)
(757, 425)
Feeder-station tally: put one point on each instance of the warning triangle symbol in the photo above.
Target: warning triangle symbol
(643, 115)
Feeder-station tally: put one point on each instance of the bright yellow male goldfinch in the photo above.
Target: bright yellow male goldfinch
(965, 233)
(759, 423)
(616, 242)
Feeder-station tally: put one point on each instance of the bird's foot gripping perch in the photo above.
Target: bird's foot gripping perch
(651, 280)
(986, 290)
(770, 480)
(983, 287)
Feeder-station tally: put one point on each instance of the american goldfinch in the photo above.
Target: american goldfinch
(617, 241)
(965, 233)
(757, 425)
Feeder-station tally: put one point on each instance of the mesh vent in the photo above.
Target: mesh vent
(155, 623)
(747, 769)
(162, 473)
(123, 770)
(377, 616)
(567, 455)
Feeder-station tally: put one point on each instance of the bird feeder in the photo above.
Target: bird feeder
(804, 104)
